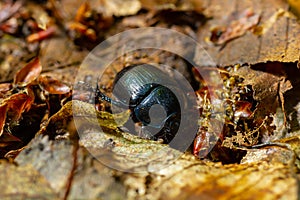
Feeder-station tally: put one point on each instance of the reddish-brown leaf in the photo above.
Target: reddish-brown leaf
(4, 88)
(53, 86)
(18, 103)
(3, 109)
(28, 73)
(7, 139)
(243, 109)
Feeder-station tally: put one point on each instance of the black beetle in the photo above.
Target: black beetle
(140, 88)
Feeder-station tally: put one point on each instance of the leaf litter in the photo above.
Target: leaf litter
(260, 138)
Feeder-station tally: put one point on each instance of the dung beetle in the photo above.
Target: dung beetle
(148, 92)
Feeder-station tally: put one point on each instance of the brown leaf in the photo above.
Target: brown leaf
(187, 5)
(5, 87)
(295, 7)
(18, 103)
(3, 109)
(121, 7)
(7, 139)
(237, 28)
(23, 183)
(28, 73)
(53, 160)
(279, 43)
(52, 85)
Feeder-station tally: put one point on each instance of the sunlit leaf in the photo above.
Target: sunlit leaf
(4, 87)
(18, 103)
(28, 73)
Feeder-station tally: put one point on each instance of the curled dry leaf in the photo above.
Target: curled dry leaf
(52, 85)
(17, 104)
(28, 73)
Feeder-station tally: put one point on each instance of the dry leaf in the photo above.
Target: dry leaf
(121, 7)
(280, 43)
(23, 183)
(86, 113)
(295, 7)
(3, 108)
(237, 28)
(53, 160)
(52, 85)
(7, 139)
(28, 73)
(17, 104)
(187, 5)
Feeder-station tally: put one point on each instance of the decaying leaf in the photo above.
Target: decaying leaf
(52, 85)
(88, 114)
(280, 43)
(121, 7)
(263, 28)
(23, 183)
(28, 73)
(7, 139)
(260, 180)
(69, 170)
(295, 7)
(54, 161)
(237, 28)
(3, 108)
(17, 104)
(260, 97)
(172, 5)
(4, 88)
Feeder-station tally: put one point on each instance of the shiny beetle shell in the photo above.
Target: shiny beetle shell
(139, 88)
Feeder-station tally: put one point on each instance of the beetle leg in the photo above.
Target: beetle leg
(103, 97)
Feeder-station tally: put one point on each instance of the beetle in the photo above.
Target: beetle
(142, 87)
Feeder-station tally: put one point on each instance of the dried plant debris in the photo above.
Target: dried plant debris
(237, 28)
(21, 183)
(274, 38)
(247, 146)
(25, 103)
(254, 175)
